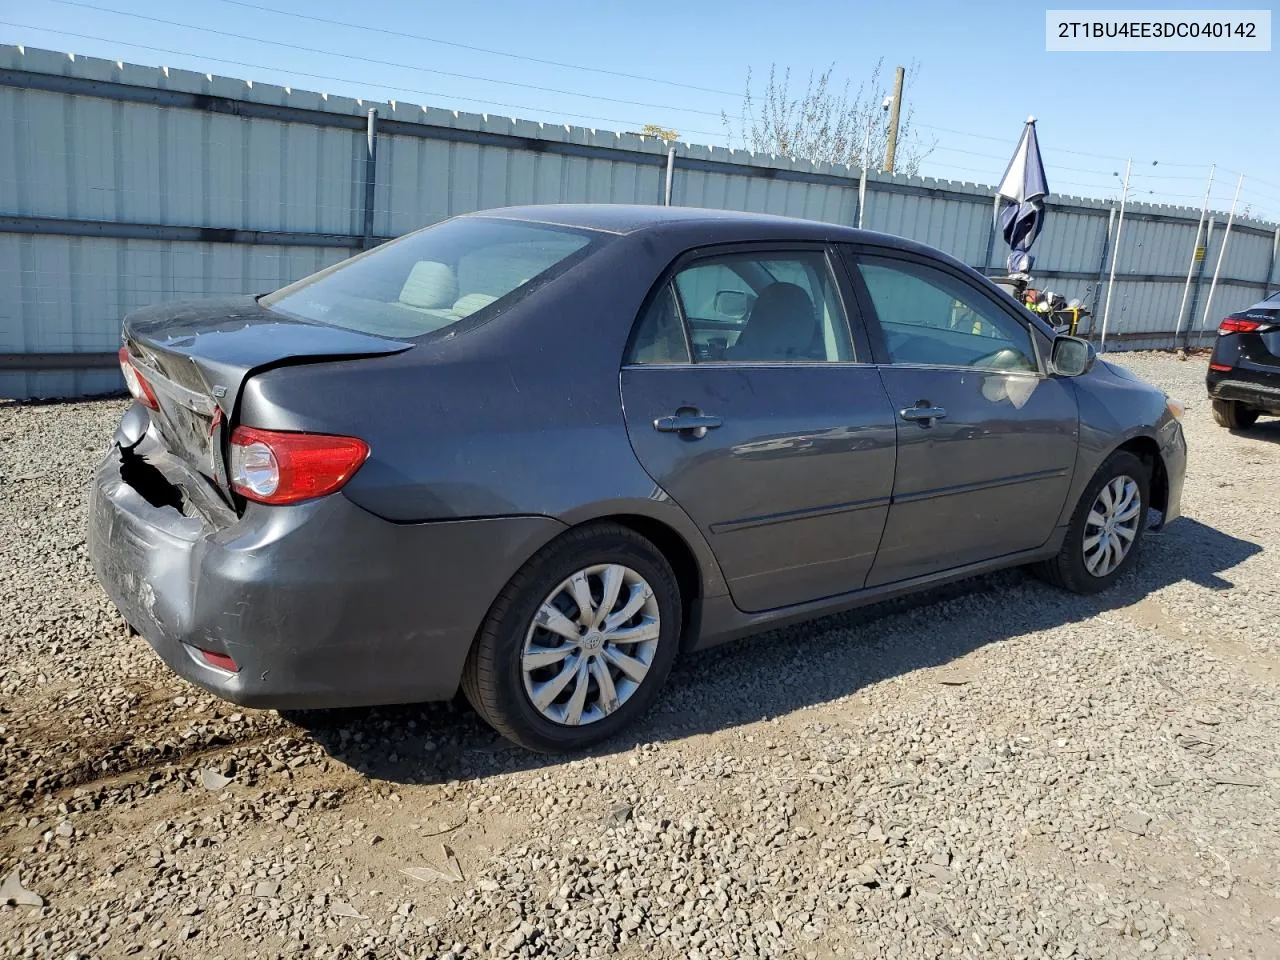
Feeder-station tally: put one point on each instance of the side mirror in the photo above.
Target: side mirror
(732, 303)
(1072, 357)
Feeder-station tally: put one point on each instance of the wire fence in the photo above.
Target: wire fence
(122, 186)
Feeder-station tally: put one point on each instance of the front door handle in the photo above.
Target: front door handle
(923, 413)
(688, 422)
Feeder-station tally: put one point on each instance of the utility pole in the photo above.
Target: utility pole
(866, 161)
(891, 148)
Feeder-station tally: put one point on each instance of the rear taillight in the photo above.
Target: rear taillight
(136, 382)
(1220, 367)
(219, 660)
(1236, 325)
(272, 466)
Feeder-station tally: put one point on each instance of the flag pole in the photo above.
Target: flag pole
(1115, 255)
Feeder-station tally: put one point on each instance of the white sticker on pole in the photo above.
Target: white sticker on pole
(1158, 30)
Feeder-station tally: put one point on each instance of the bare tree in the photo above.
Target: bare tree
(827, 122)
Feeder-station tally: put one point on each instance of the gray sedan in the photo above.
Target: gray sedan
(538, 453)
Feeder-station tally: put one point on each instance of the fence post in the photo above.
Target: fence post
(370, 176)
(1198, 253)
(1195, 293)
(1115, 256)
(671, 176)
(987, 265)
(1222, 254)
(861, 202)
(1195, 251)
(1271, 267)
(1102, 270)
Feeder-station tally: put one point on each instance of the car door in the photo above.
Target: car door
(750, 404)
(986, 440)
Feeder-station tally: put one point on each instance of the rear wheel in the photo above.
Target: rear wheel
(579, 642)
(1234, 415)
(1105, 528)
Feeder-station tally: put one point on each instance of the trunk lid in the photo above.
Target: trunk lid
(1260, 349)
(197, 356)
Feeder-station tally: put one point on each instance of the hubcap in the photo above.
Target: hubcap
(1112, 525)
(591, 644)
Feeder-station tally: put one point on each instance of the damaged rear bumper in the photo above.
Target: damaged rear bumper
(319, 604)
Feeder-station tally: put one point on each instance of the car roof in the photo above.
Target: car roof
(689, 227)
(627, 218)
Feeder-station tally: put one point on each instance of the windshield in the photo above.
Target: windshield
(434, 278)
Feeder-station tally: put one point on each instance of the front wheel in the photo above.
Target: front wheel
(1234, 415)
(1105, 528)
(579, 642)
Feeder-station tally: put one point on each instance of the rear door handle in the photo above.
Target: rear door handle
(925, 415)
(691, 423)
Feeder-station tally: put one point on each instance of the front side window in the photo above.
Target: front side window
(930, 317)
(432, 279)
(763, 308)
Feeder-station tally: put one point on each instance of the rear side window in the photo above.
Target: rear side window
(659, 336)
(435, 278)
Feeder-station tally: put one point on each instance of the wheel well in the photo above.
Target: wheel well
(1148, 451)
(672, 546)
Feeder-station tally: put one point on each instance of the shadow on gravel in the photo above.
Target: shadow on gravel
(782, 671)
(1267, 431)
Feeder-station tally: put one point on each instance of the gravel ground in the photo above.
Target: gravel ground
(995, 769)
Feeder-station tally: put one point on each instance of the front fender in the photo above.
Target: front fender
(1117, 411)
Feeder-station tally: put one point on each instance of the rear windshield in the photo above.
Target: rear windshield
(434, 278)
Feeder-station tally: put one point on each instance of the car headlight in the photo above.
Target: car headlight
(1175, 407)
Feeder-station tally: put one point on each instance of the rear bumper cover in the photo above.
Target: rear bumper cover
(1261, 390)
(321, 604)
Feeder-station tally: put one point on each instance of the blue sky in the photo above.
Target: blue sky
(983, 69)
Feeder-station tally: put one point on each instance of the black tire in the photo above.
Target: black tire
(1067, 569)
(492, 678)
(1234, 415)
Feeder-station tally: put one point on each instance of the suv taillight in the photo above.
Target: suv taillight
(274, 466)
(139, 389)
(1236, 325)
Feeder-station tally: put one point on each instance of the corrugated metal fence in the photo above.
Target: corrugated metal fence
(123, 185)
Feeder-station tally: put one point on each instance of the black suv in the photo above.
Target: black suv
(1244, 371)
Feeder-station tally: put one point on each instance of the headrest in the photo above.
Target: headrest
(430, 286)
(782, 323)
